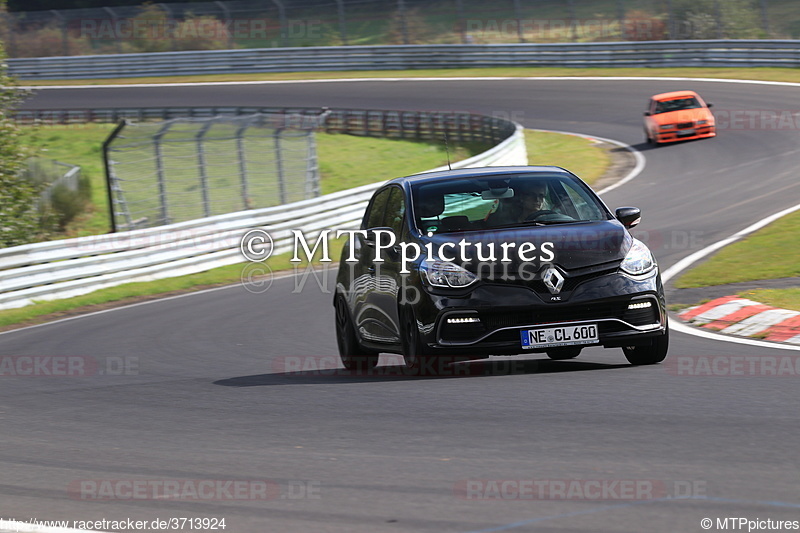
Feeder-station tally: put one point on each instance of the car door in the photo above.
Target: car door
(388, 277)
(366, 314)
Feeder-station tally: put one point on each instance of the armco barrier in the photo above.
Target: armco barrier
(708, 53)
(459, 126)
(66, 268)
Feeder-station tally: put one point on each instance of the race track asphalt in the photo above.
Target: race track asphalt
(207, 395)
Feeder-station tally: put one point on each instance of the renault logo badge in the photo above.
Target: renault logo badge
(553, 280)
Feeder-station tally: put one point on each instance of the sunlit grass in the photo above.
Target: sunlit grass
(764, 74)
(769, 253)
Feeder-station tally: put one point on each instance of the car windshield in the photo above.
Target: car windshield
(490, 202)
(677, 104)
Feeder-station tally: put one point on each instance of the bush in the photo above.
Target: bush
(59, 205)
(18, 216)
(201, 33)
(642, 26)
(697, 19)
(67, 204)
(48, 40)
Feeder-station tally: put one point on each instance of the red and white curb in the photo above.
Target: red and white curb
(739, 316)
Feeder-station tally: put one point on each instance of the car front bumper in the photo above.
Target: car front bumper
(476, 324)
(682, 135)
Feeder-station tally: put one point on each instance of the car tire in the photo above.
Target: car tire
(559, 354)
(650, 354)
(416, 353)
(353, 355)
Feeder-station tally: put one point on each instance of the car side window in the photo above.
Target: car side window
(395, 210)
(582, 204)
(373, 218)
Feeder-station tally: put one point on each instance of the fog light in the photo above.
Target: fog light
(463, 320)
(640, 305)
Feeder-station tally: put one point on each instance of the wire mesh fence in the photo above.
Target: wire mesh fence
(228, 24)
(188, 168)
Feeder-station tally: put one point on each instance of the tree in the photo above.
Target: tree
(18, 213)
(713, 19)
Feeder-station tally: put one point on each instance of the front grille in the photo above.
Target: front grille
(553, 314)
(685, 125)
(570, 282)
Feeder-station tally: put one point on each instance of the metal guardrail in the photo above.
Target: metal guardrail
(71, 267)
(709, 53)
(418, 125)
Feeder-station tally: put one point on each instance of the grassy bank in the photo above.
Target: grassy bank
(767, 254)
(762, 74)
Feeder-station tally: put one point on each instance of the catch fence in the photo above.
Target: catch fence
(183, 169)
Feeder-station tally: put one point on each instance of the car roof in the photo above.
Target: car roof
(478, 172)
(674, 94)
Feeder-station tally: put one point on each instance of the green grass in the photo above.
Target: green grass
(346, 162)
(765, 74)
(781, 298)
(767, 254)
(578, 155)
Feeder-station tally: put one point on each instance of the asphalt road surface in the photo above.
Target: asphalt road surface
(221, 392)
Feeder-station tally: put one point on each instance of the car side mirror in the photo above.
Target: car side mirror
(647, 113)
(629, 216)
(709, 105)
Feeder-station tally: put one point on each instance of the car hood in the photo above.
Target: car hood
(574, 246)
(684, 115)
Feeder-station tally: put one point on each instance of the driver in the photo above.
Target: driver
(529, 198)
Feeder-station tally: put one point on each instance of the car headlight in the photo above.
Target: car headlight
(447, 274)
(639, 259)
(667, 126)
(701, 122)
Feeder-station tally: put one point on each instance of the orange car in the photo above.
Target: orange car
(678, 116)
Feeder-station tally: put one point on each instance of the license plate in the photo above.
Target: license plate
(683, 133)
(562, 336)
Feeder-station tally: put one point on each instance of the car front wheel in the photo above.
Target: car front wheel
(650, 354)
(353, 355)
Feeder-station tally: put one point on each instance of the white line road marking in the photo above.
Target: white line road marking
(361, 80)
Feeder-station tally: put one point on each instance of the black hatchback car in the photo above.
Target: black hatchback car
(464, 264)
